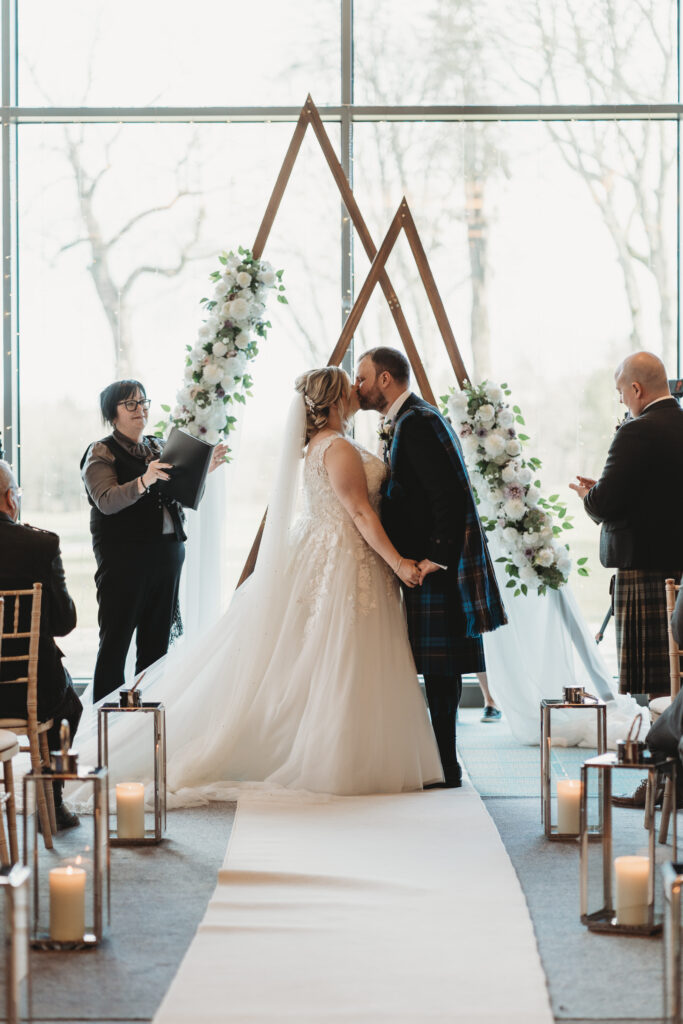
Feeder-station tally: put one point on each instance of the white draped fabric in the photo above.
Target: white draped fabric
(547, 645)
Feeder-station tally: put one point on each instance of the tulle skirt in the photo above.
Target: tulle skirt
(310, 686)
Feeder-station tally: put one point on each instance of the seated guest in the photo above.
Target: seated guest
(28, 556)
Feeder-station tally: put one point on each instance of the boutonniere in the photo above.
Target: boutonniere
(386, 433)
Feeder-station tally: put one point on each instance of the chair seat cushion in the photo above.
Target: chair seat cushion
(8, 744)
(657, 706)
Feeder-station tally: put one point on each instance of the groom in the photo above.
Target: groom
(429, 513)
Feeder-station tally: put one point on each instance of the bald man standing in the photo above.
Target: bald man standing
(638, 500)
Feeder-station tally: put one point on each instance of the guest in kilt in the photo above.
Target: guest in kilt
(638, 501)
(428, 511)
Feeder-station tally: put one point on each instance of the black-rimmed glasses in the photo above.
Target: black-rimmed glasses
(131, 405)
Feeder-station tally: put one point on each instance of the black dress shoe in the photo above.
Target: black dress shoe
(452, 780)
(65, 819)
(637, 798)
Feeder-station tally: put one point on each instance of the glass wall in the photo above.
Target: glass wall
(552, 235)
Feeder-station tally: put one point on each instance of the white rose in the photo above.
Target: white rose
(457, 404)
(506, 418)
(219, 348)
(238, 309)
(236, 365)
(470, 444)
(267, 277)
(513, 447)
(189, 373)
(493, 393)
(485, 413)
(243, 279)
(509, 473)
(493, 445)
(528, 576)
(178, 413)
(242, 340)
(205, 332)
(184, 396)
(514, 508)
(229, 280)
(545, 557)
(226, 309)
(524, 475)
(232, 263)
(197, 354)
(211, 374)
(221, 289)
(193, 428)
(510, 535)
(495, 495)
(532, 496)
(563, 559)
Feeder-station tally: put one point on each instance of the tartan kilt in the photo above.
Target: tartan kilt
(436, 627)
(642, 630)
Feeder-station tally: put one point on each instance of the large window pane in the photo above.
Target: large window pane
(171, 53)
(554, 248)
(515, 51)
(120, 227)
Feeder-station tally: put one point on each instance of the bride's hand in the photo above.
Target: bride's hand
(408, 572)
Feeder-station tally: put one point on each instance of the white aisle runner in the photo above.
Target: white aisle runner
(363, 909)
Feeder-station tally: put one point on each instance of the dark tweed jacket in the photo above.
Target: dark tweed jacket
(29, 556)
(429, 511)
(639, 496)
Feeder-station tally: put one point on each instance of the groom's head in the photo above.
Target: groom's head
(382, 375)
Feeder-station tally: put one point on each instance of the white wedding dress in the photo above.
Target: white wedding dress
(307, 682)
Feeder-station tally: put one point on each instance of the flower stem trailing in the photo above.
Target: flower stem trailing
(216, 366)
(528, 528)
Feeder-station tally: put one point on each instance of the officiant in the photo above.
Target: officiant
(138, 537)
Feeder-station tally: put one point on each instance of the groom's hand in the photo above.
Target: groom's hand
(584, 485)
(425, 567)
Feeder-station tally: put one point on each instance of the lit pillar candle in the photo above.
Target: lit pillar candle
(632, 877)
(67, 904)
(568, 806)
(130, 810)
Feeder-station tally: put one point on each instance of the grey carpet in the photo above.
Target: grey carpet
(591, 977)
(159, 896)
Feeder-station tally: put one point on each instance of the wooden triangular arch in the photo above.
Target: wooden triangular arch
(310, 116)
(403, 220)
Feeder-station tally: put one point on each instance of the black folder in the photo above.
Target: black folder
(190, 458)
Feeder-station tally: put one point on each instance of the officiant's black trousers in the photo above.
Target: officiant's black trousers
(137, 589)
(443, 697)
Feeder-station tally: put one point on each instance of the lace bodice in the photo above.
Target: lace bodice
(319, 497)
(327, 533)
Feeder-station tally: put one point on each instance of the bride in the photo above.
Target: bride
(307, 681)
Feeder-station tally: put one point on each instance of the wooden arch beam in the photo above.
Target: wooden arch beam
(403, 220)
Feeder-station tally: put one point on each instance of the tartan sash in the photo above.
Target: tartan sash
(474, 574)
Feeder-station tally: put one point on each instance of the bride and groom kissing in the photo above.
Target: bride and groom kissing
(309, 680)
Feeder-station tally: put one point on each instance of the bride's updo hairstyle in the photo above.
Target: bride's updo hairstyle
(322, 390)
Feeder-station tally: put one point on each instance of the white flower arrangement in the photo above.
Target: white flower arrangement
(216, 365)
(527, 527)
